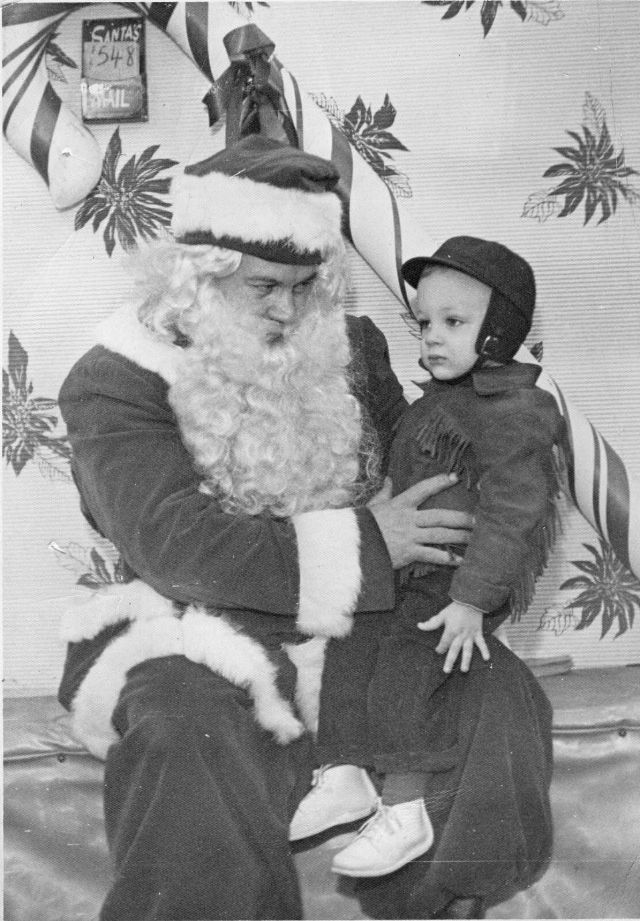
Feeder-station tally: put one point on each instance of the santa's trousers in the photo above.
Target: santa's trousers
(198, 800)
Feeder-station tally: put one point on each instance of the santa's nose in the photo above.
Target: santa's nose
(282, 308)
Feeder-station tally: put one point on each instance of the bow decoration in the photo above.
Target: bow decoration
(250, 90)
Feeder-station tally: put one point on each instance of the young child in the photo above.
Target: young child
(387, 704)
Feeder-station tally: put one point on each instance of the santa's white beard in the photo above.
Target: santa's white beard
(271, 427)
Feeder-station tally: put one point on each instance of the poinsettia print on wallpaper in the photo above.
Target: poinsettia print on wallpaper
(28, 421)
(541, 11)
(608, 591)
(128, 200)
(56, 59)
(591, 171)
(246, 9)
(91, 568)
(368, 132)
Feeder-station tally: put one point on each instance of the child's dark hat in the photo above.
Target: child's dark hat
(513, 290)
(491, 263)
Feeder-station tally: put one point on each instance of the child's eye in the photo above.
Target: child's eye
(453, 321)
(263, 290)
(424, 324)
(304, 285)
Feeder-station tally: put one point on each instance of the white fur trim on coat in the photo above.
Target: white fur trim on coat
(97, 696)
(112, 603)
(155, 631)
(216, 643)
(330, 573)
(308, 659)
(123, 333)
(255, 212)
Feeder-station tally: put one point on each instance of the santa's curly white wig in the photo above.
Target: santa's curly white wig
(270, 429)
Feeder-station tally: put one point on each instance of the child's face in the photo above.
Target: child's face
(450, 307)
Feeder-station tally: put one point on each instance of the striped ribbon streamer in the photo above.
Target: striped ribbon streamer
(42, 131)
(600, 484)
(46, 133)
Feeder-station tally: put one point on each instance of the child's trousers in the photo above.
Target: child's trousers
(386, 702)
(482, 738)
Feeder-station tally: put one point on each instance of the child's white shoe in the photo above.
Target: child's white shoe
(390, 839)
(340, 794)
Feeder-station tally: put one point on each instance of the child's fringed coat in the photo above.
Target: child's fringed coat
(497, 431)
(482, 738)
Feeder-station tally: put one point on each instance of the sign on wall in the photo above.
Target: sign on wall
(114, 80)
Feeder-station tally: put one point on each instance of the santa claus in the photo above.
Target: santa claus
(229, 429)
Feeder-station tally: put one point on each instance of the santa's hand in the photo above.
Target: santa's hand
(408, 532)
(462, 631)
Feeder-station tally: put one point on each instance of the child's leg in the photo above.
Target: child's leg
(350, 663)
(403, 787)
(342, 791)
(405, 674)
(409, 729)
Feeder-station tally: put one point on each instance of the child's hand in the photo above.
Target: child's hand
(462, 631)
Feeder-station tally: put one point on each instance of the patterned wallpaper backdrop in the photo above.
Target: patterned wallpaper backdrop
(516, 121)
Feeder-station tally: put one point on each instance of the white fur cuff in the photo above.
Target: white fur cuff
(330, 573)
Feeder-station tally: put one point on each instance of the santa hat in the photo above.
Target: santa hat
(262, 198)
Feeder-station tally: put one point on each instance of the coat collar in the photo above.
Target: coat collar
(513, 376)
(123, 333)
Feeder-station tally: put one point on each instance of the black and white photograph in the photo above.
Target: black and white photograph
(321, 455)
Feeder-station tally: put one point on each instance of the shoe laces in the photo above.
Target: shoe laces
(318, 778)
(382, 823)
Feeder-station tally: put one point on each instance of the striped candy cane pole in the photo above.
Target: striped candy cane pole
(44, 131)
(36, 123)
(198, 29)
(601, 486)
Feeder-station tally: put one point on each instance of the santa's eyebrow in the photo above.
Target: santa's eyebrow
(270, 280)
(306, 281)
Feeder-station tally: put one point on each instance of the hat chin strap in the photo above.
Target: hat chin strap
(490, 349)
(503, 331)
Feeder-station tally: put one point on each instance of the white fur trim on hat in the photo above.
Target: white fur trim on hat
(330, 572)
(255, 212)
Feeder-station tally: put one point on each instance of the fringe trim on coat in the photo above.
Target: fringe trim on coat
(541, 542)
(448, 446)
